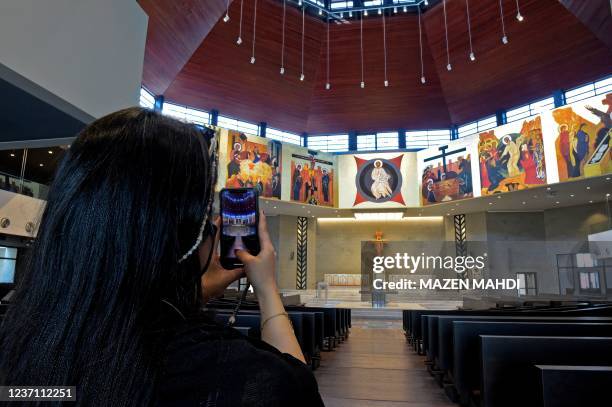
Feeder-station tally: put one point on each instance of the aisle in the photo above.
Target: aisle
(375, 367)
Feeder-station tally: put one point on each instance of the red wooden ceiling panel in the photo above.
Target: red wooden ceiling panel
(549, 50)
(406, 103)
(175, 30)
(220, 76)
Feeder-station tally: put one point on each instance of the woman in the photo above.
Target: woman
(110, 301)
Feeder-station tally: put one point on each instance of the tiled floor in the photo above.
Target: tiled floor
(376, 367)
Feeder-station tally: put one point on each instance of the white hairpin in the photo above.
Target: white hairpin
(212, 151)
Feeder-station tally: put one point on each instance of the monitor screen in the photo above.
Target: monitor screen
(8, 261)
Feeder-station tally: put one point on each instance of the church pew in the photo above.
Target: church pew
(509, 373)
(466, 374)
(303, 326)
(570, 386)
(329, 330)
(444, 357)
(245, 330)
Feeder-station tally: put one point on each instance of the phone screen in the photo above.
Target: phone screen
(239, 215)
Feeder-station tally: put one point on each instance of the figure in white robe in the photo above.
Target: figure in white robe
(380, 187)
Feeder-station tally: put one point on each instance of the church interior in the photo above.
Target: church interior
(435, 175)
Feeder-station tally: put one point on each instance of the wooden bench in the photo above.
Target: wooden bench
(466, 374)
(509, 373)
(570, 386)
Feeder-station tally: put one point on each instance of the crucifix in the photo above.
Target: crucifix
(443, 154)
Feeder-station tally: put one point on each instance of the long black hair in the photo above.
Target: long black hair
(126, 204)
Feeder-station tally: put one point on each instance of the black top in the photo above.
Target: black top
(209, 365)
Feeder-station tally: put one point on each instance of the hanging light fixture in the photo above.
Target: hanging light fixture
(282, 67)
(254, 31)
(503, 26)
(467, 10)
(385, 49)
(327, 84)
(239, 39)
(405, 9)
(394, 10)
(519, 16)
(361, 47)
(449, 67)
(350, 14)
(426, 3)
(320, 12)
(421, 46)
(303, 32)
(379, 11)
(365, 13)
(226, 18)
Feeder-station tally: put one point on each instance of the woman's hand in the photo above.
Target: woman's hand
(261, 269)
(216, 279)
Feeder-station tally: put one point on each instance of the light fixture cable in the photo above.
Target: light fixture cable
(467, 10)
(303, 31)
(282, 68)
(503, 25)
(448, 64)
(519, 16)
(254, 31)
(361, 47)
(421, 46)
(239, 39)
(226, 18)
(327, 84)
(385, 48)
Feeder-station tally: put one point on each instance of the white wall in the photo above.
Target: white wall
(88, 52)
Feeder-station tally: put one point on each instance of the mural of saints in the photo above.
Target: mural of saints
(511, 161)
(582, 146)
(312, 180)
(447, 176)
(254, 164)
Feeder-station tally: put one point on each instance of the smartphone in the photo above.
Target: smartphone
(239, 224)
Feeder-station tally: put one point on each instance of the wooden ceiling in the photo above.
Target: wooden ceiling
(192, 58)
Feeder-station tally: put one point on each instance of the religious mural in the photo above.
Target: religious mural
(582, 142)
(312, 179)
(379, 180)
(447, 175)
(511, 157)
(254, 162)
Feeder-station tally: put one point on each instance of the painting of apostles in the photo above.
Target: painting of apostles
(253, 164)
(583, 146)
(447, 181)
(312, 180)
(513, 161)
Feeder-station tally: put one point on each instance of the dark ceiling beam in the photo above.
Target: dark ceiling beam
(596, 15)
(175, 31)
